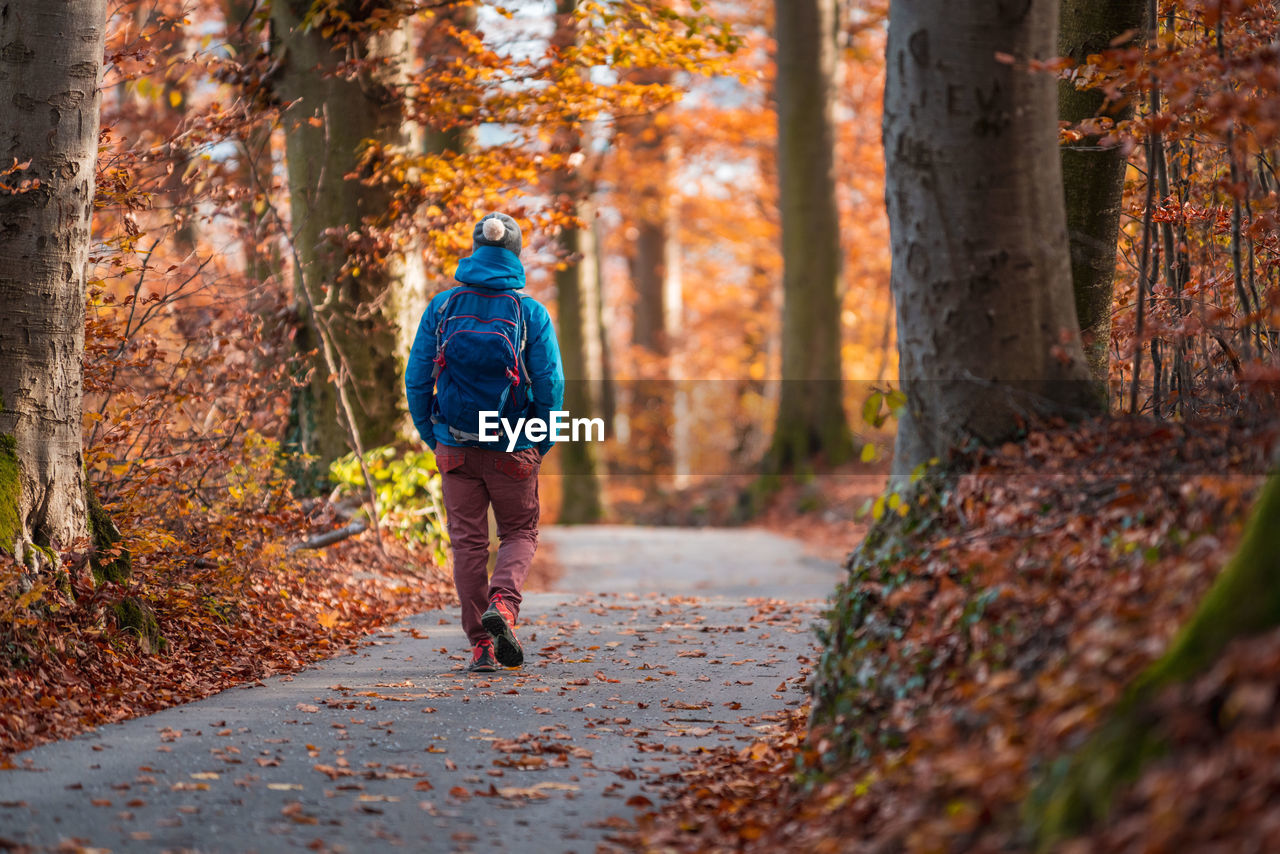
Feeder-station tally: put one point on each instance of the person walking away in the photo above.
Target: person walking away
(485, 347)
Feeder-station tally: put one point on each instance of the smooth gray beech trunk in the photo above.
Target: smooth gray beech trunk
(811, 421)
(987, 331)
(577, 298)
(330, 120)
(1093, 177)
(50, 64)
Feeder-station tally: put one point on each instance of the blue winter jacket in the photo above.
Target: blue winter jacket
(498, 269)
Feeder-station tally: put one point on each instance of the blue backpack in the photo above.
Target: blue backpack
(480, 344)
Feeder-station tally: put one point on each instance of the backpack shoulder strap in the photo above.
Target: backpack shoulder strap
(441, 315)
(524, 337)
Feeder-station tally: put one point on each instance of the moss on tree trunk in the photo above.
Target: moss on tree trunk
(10, 493)
(109, 560)
(1245, 600)
(135, 616)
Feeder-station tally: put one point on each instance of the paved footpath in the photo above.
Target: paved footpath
(666, 641)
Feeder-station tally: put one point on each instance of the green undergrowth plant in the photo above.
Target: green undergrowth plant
(868, 664)
(407, 487)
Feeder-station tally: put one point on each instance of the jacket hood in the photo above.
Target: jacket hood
(491, 267)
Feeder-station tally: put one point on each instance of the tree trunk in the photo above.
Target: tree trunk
(608, 393)
(412, 287)
(244, 39)
(1093, 177)
(49, 108)
(987, 330)
(577, 299)
(578, 294)
(811, 421)
(324, 131)
(655, 261)
(175, 104)
(651, 215)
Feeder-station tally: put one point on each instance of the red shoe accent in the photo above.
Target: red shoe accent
(499, 603)
(498, 621)
(482, 659)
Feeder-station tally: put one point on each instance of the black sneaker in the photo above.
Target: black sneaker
(482, 660)
(498, 621)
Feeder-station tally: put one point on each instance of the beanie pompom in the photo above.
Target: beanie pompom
(498, 229)
(494, 229)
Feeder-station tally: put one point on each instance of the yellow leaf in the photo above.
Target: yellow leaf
(175, 97)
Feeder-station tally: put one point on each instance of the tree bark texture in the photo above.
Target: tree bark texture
(811, 420)
(50, 64)
(325, 130)
(577, 298)
(1093, 177)
(987, 331)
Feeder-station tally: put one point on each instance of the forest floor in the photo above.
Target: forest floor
(666, 644)
(990, 622)
(67, 665)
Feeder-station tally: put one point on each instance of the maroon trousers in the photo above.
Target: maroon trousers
(474, 478)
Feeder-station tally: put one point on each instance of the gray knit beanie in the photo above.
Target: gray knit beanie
(498, 229)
